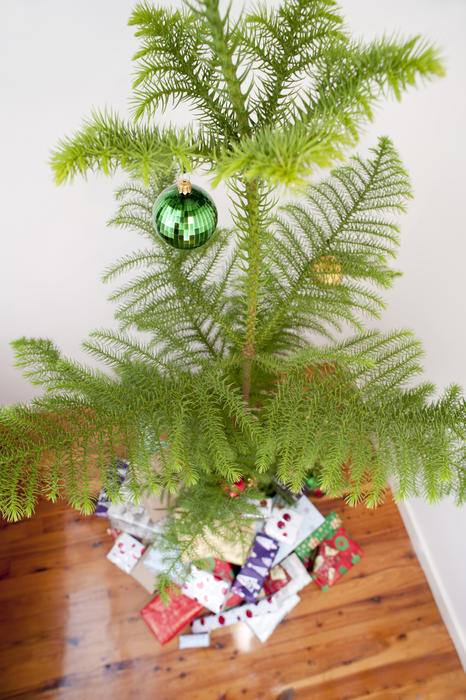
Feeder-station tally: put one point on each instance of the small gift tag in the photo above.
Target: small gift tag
(283, 524)
(125, 552)
(192, 641)
(239, 614)
(207, 589)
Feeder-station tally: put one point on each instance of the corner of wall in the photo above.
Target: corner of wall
(434, 580)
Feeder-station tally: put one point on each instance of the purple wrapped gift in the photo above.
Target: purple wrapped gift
(254, 571)
(101, 509)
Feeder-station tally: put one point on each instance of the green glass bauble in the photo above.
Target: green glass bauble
(185, 220)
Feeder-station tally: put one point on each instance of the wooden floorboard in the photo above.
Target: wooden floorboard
(71, 629)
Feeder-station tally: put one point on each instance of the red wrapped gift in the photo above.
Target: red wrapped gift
(221, 569)
(233, 601)
(335, 556)
(166, 621)
(278, 578)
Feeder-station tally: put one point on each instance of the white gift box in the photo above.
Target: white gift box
(264, 625)
(132, 519)
(299, 577)
(126, 552)
(286, 598)
(159, 561)
(263, 506)
(240, 613)
(311, 519)
(204, 587)
(283, 524)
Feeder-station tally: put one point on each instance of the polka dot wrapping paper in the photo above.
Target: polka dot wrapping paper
(126, 552)
(239, 614)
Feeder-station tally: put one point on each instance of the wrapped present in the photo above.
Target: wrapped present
(311, 519)
(103, 502)
(239, 614)
(159, 560)
(233, 600)
(165, 621)
(289, 495)
(335, 556)
(125, 552)
(277, 578)
(313, 487)
(220, 568)
(133, 519)
(253, 573)
(154, 506)
(263, 507)
(264, 625)
(305, 548)
(206, 588)
(299, 577)
(193, 641)
(223, 547)
(283, 524)
(142, 574)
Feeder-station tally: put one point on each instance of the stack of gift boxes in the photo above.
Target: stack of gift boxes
(256, 581)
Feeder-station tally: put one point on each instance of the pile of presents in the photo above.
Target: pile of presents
(256, 580)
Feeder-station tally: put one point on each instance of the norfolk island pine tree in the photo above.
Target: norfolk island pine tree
(243, 368)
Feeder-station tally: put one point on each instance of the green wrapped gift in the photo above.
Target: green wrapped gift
(305, 548)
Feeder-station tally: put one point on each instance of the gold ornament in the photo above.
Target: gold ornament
(328, 270)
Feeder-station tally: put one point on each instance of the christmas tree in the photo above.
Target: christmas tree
(229, 365)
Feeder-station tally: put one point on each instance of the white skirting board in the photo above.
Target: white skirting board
(439, 592)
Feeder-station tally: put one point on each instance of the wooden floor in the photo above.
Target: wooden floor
(70, 626)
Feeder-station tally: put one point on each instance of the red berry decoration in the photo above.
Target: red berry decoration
(221, 619)
(287, 517)
(248, 613)
(281, 524)
(263, 503)
(236, 489)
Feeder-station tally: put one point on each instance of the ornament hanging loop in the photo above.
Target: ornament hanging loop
(184, 184)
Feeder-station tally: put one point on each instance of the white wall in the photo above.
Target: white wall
(61, 57)
(428, 129)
